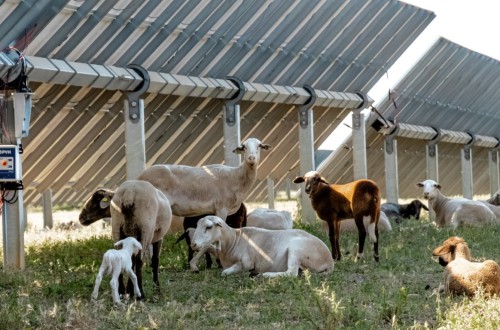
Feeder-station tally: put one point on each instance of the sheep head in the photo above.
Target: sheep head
(431, 188)
(207, 232)
(96, 207)
(251, 150)
(451, 248)
(131, 244)
(313, 181)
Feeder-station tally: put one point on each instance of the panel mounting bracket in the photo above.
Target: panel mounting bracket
(133, 97)
(230, 105)
(431, 144)
(304, 108)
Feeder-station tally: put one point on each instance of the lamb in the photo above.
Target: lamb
(138, 210)
(271, 253)
(397, 212)
(457, 211)
(97, 207)
(270, 219)
(117, 262)
(236, 220)
(334, 203)
(461, 275)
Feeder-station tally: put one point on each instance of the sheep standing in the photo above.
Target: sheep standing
(403, 211)
(268, 252)
(462, 276)
(211, 189)
(117, 262)
(140, 210)
(456, 211)
(334, 203)
(270, 219)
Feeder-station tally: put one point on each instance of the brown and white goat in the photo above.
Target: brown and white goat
(462, 276)
(334, 203)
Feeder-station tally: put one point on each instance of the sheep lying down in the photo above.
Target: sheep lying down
(271, 253)
(463, 276)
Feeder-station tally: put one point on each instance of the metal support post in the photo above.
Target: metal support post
(359, 140)
(306, 141)
(391, 167)
(134, 126)
(47, 209)
(432, 167)
(493, 168)
(231, 124)
(466, 152)
(270, 192)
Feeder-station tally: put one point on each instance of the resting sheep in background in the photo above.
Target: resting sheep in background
(403, 211)
(117, 262)
(461, 275)
(236, 220)
(140, 210)
(349, 226)
(494, 199)
(457, 211)
(334, 203)
(270, 219)
(268, 252)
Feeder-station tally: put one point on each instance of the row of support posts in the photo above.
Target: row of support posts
(432, 169)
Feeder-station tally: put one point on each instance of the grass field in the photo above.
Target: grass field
(53, 292)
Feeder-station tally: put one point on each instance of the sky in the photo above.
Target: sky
(474, 24)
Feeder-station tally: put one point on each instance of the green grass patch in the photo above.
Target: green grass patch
(53, 292)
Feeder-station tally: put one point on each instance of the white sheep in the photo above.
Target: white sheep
(270, 219)
(271, 253)
(349, 226)
(461, 275)
(211, 189)
(140, 210)
(116, 263)
(454, 212)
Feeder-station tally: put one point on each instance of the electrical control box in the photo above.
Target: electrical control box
(9, 163)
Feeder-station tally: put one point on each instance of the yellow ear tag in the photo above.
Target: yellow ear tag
(105, 199)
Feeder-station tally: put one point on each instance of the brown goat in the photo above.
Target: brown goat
(334, 203)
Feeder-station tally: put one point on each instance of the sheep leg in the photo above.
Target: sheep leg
(133, 277)
(137, 267)
(292, 267)
(155, 261)
(358, 219)
(114, 285)
(193, 264)
(236, 268)
(98, 280)
(375, 245)
(333, 236)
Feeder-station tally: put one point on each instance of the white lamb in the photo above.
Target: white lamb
(270, 219)
(117, 262)
(455, 212)
(271, 253)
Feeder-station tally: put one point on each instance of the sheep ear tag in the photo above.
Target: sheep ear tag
(104, 203)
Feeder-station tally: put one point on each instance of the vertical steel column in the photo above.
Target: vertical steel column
(231, 123)
(47, 209)
(391, 166)
(432, 167)
(466, 153)
(134, 126)
(306, 142)
(359, 140)
(270, 192)
(493, 168)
